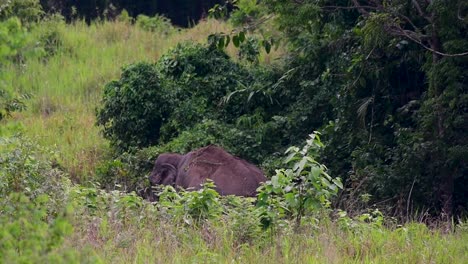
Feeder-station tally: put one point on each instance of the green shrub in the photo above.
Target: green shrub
(27, 236)
(30, 169)
(152, 104)
(303, 188)
(249, 50)
(124, 17)
(191, 206)
(236, 141)
(13, 38)
(246, 12)
(242, 219)
(156, 23)
(10, 102)
(49, 34)
(133, 107)
(198, 77)
(28, 11)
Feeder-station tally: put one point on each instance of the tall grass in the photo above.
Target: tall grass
(67, 86)
(166, 242)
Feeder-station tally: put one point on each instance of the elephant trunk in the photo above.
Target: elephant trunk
(155, 178)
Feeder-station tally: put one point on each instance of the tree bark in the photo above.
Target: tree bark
(446, 177)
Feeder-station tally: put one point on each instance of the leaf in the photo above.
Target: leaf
(299, 167)
(290, 157)
(274, 181)
(337, 182)
(250, 96)
(290, 199)
(314, 173)
(267, 46)
(235, 40)
(221, 43)
(241, 36)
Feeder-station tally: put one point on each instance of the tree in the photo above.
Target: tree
(390, 77)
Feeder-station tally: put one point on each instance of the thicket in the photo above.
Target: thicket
(194, 91)
(386, 85)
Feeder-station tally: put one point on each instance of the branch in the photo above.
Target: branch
(360, 8)
(412, 38)
(406, 33)
(459, 16)
(418, 7)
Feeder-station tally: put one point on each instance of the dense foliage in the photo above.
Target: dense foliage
(133, 107)
(198, 96)
(386, 82)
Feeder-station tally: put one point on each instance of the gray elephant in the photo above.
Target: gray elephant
(231, 175)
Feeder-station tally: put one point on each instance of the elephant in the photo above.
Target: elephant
(230, 174)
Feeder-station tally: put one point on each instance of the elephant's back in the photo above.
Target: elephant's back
(232, 175)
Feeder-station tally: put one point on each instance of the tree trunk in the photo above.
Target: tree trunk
(436, 90)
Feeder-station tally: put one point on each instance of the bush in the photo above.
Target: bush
(124, 17)
(191, 206)
(27, 236)
(198, 77)
(242, 218)
(153, 104)
(9, 102)
(249, 50)
(13, 38)
(133, 107)
(49, 34)
(157, 23)
(30, 169)
(28, 11)
(246, 12)
(303, 188)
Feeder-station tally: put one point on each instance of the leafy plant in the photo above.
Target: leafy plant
(27, 235)
(192, 206)
(28, 168)
(157, 23)
(304, 188)
(133, 107)
(50, 35)
(13, 37)
(242, 219)
(249, 50)
(28, 11)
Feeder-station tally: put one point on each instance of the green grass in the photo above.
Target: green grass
(165, 242)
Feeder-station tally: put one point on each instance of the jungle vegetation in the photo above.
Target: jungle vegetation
(356, 111)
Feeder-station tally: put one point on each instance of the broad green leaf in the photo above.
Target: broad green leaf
(235, 40)
(241, 36)
(337, 182)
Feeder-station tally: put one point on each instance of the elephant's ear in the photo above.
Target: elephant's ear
(169, 173)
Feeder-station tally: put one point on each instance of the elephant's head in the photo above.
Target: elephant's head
(165, 169)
